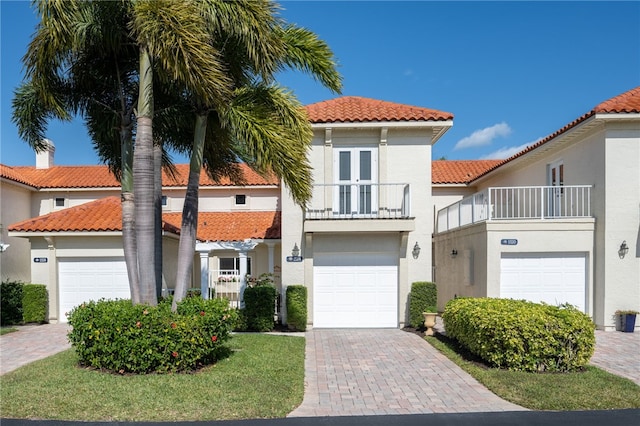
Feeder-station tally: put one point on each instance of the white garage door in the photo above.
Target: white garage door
(355, 291)
(542, 277)
(84, 279)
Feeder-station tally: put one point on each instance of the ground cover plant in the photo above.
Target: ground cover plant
(589, 389)
(263, 377)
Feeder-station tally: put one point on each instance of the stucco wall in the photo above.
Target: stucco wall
(15, 206)
(475, 270)
(404, 156)
(621, 221)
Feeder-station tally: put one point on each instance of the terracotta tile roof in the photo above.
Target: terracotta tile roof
(233, 226)
(15, 175)
(459, 171)
(252, 178)
(100, 177)
(625, 103)
(70, 176)
(358, 109)
(105, 215)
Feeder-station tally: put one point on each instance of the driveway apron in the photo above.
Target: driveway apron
(386, 371)
(31, 343)
(618, 353)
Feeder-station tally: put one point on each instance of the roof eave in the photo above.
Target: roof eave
(568, 135)
(389, 124)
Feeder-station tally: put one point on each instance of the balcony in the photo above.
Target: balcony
(359, 201)
(359, 207)
(515, 203)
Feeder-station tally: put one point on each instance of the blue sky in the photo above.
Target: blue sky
(510, 72)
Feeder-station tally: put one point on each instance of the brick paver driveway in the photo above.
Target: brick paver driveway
(386, 371)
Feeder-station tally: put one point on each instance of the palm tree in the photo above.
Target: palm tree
(81, 61)
(72, 33)
(265, 125)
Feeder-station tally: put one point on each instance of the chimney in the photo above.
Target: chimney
(44, 159)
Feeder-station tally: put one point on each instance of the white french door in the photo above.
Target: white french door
(556, 193)
(356, 174)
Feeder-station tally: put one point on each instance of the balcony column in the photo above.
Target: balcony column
(382, 173)
(328, 173)
(204, 274)
(242, 255)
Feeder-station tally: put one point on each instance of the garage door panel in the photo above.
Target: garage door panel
(544, 277)
(84, 279)
(363, 290)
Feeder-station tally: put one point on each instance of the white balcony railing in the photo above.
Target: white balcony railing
(225, 284)
(360, 201)
(519, 202)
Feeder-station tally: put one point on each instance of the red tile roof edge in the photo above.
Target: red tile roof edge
(625, 103)
(105, 215)
(357, 109)
(10, 173)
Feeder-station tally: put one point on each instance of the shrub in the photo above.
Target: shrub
(259, 304)
(520, 335)
(297, 307)
(120, 337)
(423, 298)
(35, 303)
(11, 303)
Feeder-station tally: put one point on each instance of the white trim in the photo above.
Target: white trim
(378, 124)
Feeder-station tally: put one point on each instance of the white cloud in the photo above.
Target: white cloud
(484, 136)
(506, 152)
(408, 73)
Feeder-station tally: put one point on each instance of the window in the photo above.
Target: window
(59, 202)
(231, 265)
(165, 201)
(356, 179)
(241, 199)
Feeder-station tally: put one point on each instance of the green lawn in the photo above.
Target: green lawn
(592, 389)
(263, 378)
(7, 330)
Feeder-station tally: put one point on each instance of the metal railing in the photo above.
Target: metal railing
(360, 201)
(517, 202)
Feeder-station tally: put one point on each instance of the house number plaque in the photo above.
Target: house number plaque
(40, 260)
(509, 242)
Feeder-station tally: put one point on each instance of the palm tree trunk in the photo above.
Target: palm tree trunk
(189, 226)
(143, 166)
(128, 212)
(157, 205)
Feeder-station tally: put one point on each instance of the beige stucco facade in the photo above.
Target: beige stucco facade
(403, 157)
(15, 205)
(603, 153)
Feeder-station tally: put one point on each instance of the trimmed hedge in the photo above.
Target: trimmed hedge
(11, 303)
(423, 298)
(35, 303)
(297, 307)
(521, 335)
(123, 338)
(259, 307)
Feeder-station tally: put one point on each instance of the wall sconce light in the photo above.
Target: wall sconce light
(296, 251)
(416, 251)
(454, 253)
(624, 249)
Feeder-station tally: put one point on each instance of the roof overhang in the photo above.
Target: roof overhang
(560, 141)
(439, 128)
